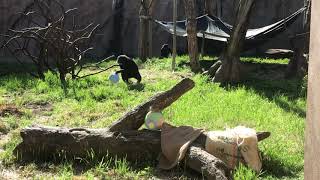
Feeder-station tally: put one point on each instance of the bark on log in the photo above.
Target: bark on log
(51, 143)
(134, 119)
(210, 166)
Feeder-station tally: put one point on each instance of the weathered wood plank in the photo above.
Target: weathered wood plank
(312, 132)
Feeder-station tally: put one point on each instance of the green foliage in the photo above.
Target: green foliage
(263, 101)
(264, 60)
(304, 86)
(7, 157)
(244, 173)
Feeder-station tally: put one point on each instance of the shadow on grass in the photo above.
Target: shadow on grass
(131, 170)
(136, 86)
(275, 168)
(205, 64)
(268, 81)
(283, 92)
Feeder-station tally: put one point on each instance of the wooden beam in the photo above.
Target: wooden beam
(312, 132)
(150, 43)
(202, 44)
(174, 42)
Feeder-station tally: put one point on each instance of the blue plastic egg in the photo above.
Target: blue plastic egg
(114, 78)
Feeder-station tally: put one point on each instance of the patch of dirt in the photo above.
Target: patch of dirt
(4, 138)
(9, 109)
(176, 173)
(4, 129)
(39, 108)
(7, 98)
(6, 174)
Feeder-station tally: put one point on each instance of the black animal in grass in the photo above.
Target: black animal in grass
(129, 69)
(165, 51)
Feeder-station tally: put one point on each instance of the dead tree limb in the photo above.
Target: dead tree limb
(51, 38)
(134, 119)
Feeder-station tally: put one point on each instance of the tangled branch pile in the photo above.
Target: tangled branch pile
(50, 37)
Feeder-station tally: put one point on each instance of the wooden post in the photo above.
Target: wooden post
(202, 45)
(150, 43)
(143, 34)
(190, 7)
(174, 42)
(150, 39)
(209, 7)
(312, 132)
(219, 8)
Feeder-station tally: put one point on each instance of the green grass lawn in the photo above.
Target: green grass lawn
(265, 101)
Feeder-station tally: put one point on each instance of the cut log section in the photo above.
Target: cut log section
(134, 119)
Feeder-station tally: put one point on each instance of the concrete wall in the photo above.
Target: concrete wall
(100, 11)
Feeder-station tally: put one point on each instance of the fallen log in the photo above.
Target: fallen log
(210, 166)
(134, 119)
(121, 140)
(52, 143)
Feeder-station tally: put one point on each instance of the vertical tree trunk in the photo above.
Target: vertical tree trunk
(190, 7)
(209, 7)
(300, 45)
(306, 25)
(219, 8)
(229, 71)
(151, 9)
(144, 29)
(174, 37)
(297, 62)
(150, 40)
(117, 26)
(41, 62)
(307, 16)
(143, 37)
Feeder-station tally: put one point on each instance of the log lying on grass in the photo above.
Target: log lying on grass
(49, 143)
(210, 166)
(122, 140)
(52, 143)
(134, 119)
